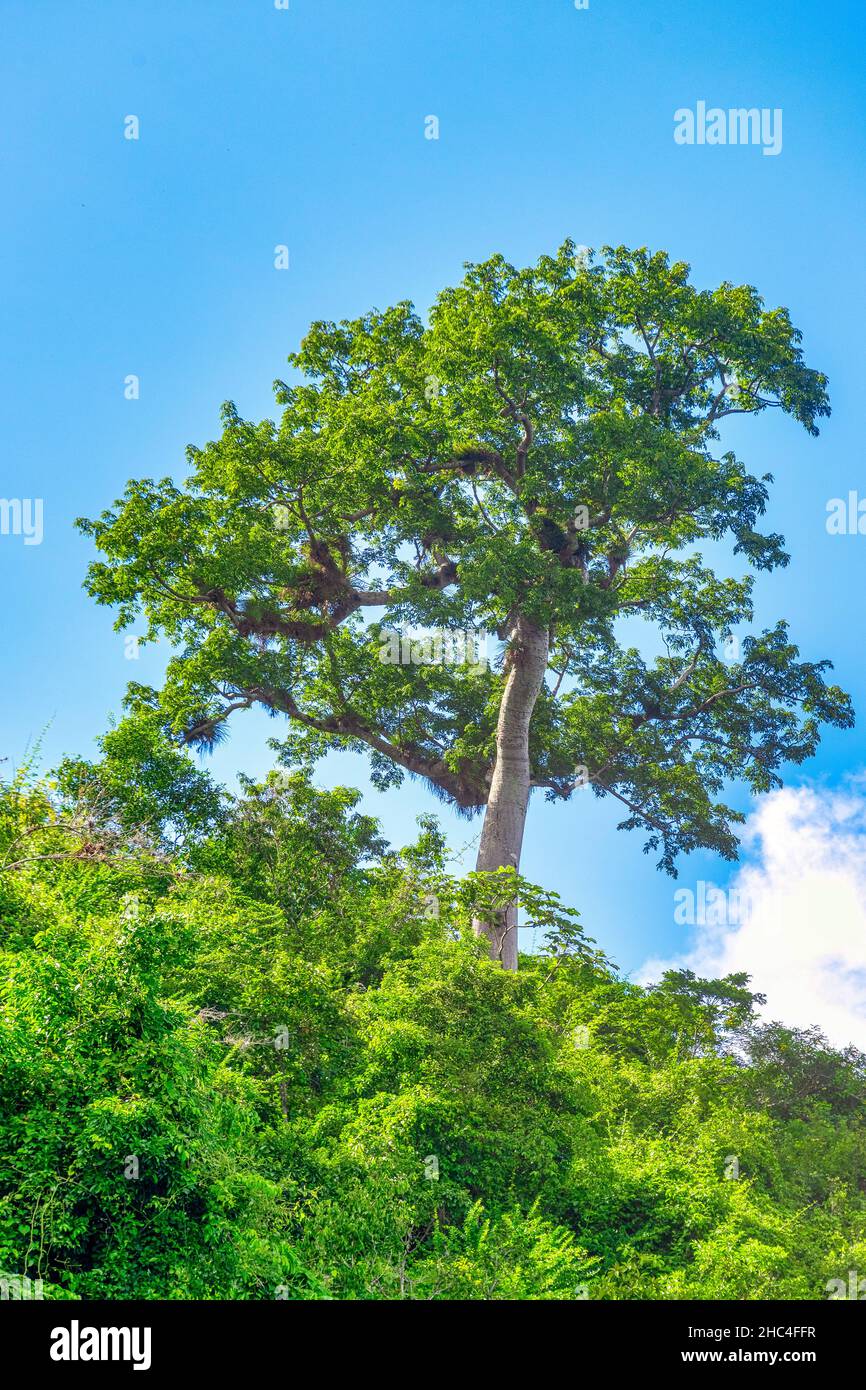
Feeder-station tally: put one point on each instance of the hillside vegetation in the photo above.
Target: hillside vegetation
(247, 1051)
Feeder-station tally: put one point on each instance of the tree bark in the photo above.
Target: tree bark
(505, 816)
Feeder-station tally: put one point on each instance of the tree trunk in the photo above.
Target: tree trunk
(505, 816)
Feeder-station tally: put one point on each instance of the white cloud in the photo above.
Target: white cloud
(803, 941)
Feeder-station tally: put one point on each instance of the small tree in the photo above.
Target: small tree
(536, 463)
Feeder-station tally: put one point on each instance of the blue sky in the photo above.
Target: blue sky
(305, 127)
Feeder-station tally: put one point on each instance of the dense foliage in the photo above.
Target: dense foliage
(247, 1051)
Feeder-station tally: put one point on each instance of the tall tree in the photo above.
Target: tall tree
(539, 461)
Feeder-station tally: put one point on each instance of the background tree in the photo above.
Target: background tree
(538, 462)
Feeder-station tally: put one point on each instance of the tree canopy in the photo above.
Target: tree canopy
(541, 457)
